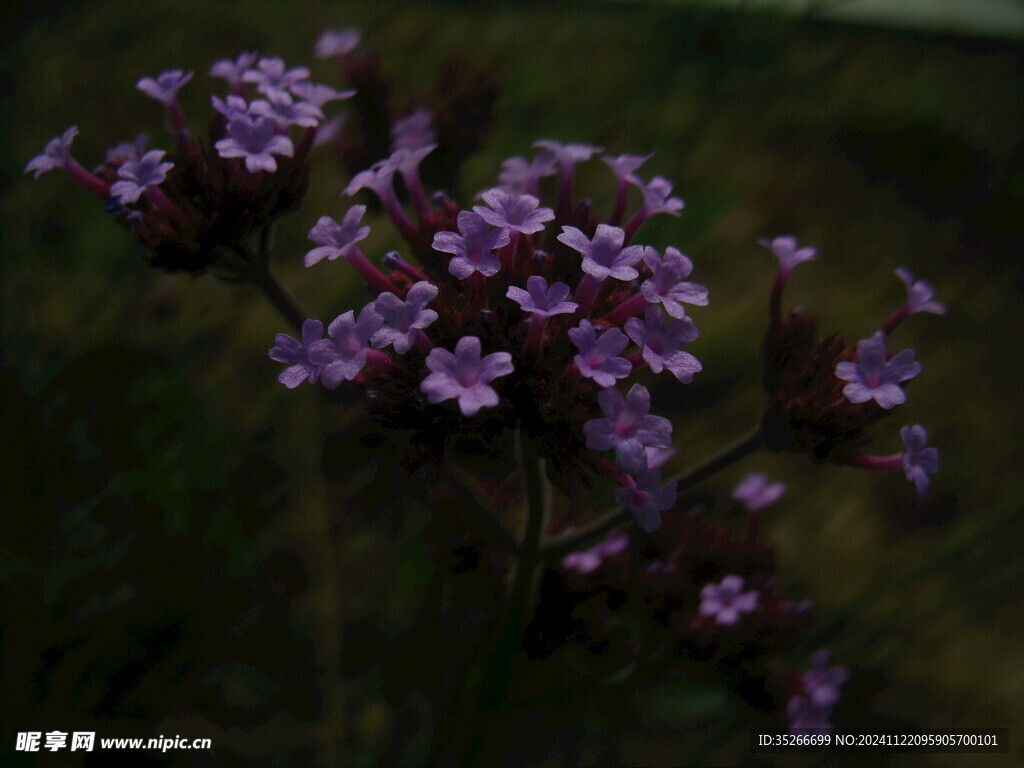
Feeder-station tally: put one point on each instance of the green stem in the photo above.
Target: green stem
(261, 276)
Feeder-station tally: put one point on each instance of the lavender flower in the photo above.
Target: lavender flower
(822, 682)
(540, 300)
(318, 94)
(660, 342)
(165, 87)
(920, 295)
(589, 560)
(918, 459)
(667, 285)
(379, 178)
(657, 198)
(786, 251)
(271, 76)
(567, 155)
(280, 108)
(414, 131)
(517, 213)
(344, 354)
(337, 42)
(56, 154)
(756, 493)
(233, 107)
(598, 358)
(404, 319)
(127, 150)
(727, 600)
(336, 239)
(625, 167)
(138, 175)
(519, 176)
(474, 249)
(256, 141)
(872, 377)
(295, 355)
(604, 256)
(233, 71)
(465, 375)
(627, 428)
(647, 499)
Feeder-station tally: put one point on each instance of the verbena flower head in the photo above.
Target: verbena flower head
(755, 492)
(726, 601)
(465, 375)
(336, 239)
(165, 86)
(872, 377)
(918, 459)
(138, 175)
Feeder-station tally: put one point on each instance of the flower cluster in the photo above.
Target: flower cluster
(198, 205)
(824, 395)
(517, 315)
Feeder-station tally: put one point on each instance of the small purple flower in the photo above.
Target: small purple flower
(404, 318)
(336, 239)
(127, 150)
(414, 131)
(598, 358)
(337, 42)
(656, 197)
(55, 154)
(627, 428)
(787, 252)
(920, 295)
(805, 718)
(280, 108)
(465, 375)
(756, 493)
(318, 94)
(919, 460)
(379, 178)
(589, 560)
(822, 682)
(295, 355)
(257, 141)
(567, 155)
(521, 176)
(271, 76)
(872, 377)
(604, 255)
(233, 71)
(625, 167)
(517, 213)
(540, 300)
(137, 175)
(660, 342)
(233, 107)
(727, 600)
(343, 355)
(667, 285)
(474, 249)
(647, 499)
(165, 87)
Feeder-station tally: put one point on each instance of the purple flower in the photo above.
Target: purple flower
(465, 375)
(165, 87)
(271, 76)
(233, 71)
(821, 682)
(137, 175)
(404, 318)
(660, 342)
(474, 249)
(919, 460)
(517, 213)
(295, 355)
(625, 166)
(756, 493)
(598, 358)
(567, 155)
(233, 107)
(55, 154)
(280, 108)
(343, 355)
(519, 175)
(257, 141)
(413, 131)
(627, 428)
(337, 42)
(379, 178)
(127, 150)
(920, 294)
(318, 94)
(604, 255)
(806, 718)
(666, 284)
(540, 300)
(336, 239)
(727, 600)
(647, 499)
(656, 197)
(589, 560)
(874, 377)
(786, 251)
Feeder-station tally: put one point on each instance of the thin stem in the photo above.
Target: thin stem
(259, 274)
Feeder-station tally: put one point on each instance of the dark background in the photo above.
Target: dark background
(174, 560)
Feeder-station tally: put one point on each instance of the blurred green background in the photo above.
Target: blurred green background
(174, 559)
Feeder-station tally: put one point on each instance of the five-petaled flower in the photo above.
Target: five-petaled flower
(874, 377)
(726, 601)
(465, 375)
(918, 458)
(139, 175)
(628, 427)
(295, 354)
